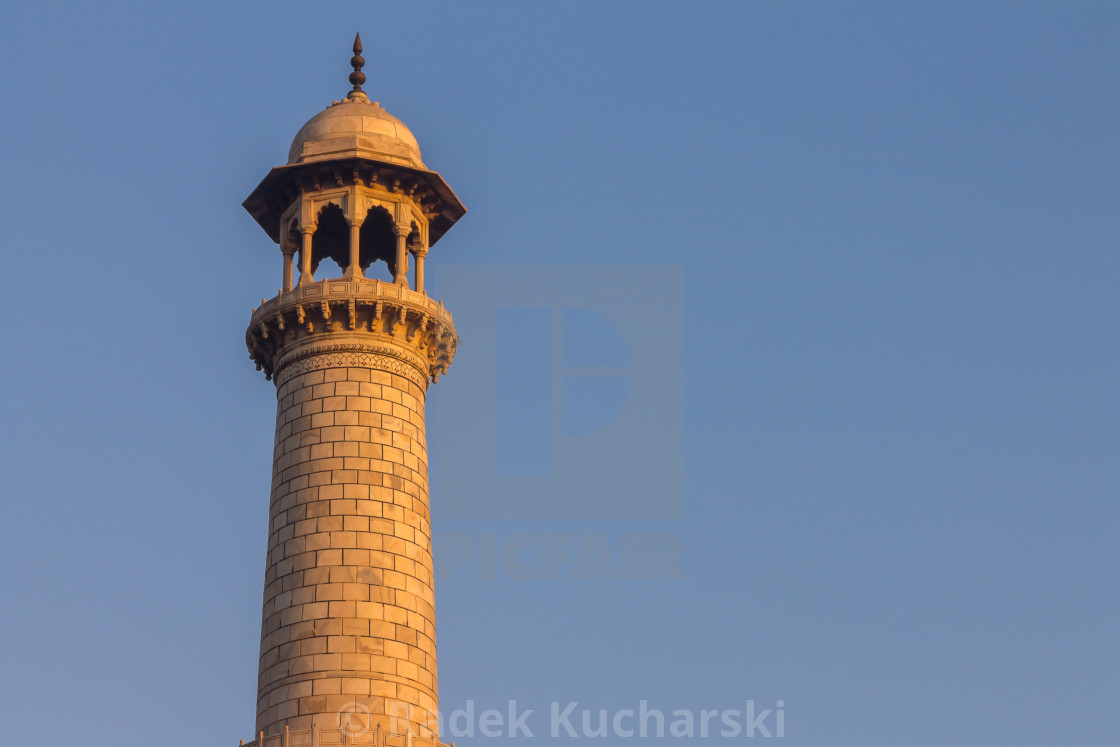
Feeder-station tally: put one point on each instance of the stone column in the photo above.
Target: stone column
(400, 276)
(289, 251)
(354, 270)
(305, 257)
(421, 251)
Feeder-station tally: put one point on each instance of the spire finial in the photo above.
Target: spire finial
(357, 78)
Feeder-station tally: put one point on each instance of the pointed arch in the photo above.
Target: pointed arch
(378, 242)
(331, 239)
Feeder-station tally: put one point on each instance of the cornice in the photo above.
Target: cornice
(398, 327)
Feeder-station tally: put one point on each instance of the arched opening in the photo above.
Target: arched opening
(331, 239)
(378, 242)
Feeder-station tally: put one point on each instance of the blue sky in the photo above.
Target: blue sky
(869, 253)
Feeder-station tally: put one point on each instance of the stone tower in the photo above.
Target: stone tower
(348, 651)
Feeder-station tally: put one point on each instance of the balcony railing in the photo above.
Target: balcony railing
(360, 289)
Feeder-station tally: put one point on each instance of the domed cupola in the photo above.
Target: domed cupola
(354, 191)
(355, 127)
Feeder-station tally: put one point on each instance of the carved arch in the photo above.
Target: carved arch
(313, 206)
(378, 239)
(331, 237)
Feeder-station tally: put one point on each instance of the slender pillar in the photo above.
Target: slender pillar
(420, 252)
(289, 251)
(354, 270)
(305, 258)
(400, 276)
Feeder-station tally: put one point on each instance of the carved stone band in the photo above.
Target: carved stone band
(361, 356)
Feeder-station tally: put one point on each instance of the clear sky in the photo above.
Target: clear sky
(839, 324)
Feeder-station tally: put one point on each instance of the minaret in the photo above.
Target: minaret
(348, 641)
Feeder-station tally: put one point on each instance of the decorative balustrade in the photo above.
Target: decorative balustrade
(360, 289)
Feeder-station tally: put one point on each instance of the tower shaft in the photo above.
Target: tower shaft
(348, 622)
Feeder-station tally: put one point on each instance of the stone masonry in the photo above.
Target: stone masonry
(349, 607)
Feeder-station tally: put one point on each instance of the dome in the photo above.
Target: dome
(355, 127)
